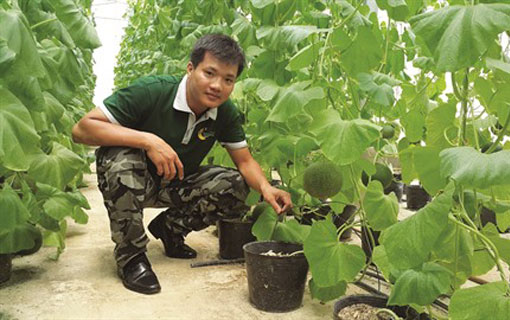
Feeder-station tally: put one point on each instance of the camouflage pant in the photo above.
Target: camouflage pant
(194, 203)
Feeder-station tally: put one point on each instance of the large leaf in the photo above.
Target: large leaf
(420, 287)
(57, 168)
(491, 299)
(331, 261)
(277, 38)
(79, 26)
(381, 209)
(343, 141)
(15, 233)
(7, 56)
(58, 204)
(292, 100)
(364, 54)
(16, 32)
(291, 231)
(454, 249)
(422, 163)
(304, 58)
(397, 9)
(438, 122)
(327, 293)
(409, 242)
(18, 138)
(473, 169)
(379, 87)
(459, 35)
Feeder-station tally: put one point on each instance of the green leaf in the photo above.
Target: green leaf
(326, 294)
(437, 122)
(7, 56)
(18, 138)
(364, 54)
(58, 204)
(16, 32)
(420, 287)
(284, 37)
(482, 261)
(265, 226)
(304, 58)
(15, 232)
(343, 141)
(473, 169)
(409, 242)
(331, 261)
(397, 9)
(292, 100)
(502, 244)
(459, 35)
(414, 122)
(79, 26)
(381, 209)
(491, 299)
(253, 198)
(267, 89)
(291, 231)
(380, 258)
(57, 168)
(426, 163)
(379, 87)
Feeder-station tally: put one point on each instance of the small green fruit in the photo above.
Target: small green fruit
(388, 131)
(322, 179)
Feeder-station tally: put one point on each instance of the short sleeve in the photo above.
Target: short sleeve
(232, 135)
(129, 106)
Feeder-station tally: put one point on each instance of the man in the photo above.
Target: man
(153, 136)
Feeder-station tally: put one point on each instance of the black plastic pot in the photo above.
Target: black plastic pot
(275, 283)
(343, 218)
(5, 267)
(366, 244)
(417, 197)
(233, 234)
(397, 187)
(405, 312)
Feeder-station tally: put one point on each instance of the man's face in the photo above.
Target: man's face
(210, 83)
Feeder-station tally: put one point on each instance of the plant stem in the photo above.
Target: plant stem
(349, 17)
(464, 104)
(385, 57)
(500, 135)
(421, 90)
(475, 132)
(493, 251)
(388, 312)
(42, 23)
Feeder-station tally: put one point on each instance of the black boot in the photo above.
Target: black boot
(137, 275)
(174, 244)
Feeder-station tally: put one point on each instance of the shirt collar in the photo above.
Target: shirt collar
(181, 104)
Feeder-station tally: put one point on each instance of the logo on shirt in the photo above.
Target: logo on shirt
(205, 133)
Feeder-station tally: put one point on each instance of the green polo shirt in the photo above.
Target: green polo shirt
(158, 104)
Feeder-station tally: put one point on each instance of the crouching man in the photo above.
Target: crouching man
(153, 135)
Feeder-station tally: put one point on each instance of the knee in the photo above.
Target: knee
(122, 171)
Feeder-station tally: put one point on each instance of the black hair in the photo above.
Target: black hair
(220, 46)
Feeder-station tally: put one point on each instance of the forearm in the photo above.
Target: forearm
(100, 133)
(253, 175)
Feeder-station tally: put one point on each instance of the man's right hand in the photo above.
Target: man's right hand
(164, 157)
